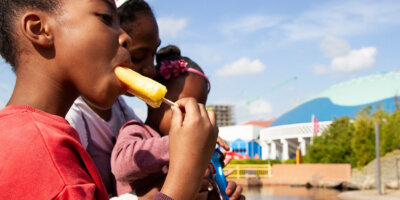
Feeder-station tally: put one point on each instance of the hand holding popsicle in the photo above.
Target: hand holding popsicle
(192, 139)
(144, 88)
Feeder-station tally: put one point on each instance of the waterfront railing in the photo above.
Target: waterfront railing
(249, 170)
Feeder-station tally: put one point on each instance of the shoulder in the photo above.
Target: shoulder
(26, 121)
(79, 191)
(44, 149)
(77, 110)
(75, 118)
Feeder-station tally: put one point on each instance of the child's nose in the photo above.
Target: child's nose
(124, 39)
(149, 70)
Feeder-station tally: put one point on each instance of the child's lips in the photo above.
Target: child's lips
(122, 86)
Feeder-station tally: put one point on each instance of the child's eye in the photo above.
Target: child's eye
(137, 56)
(107, 19)
(136, 59)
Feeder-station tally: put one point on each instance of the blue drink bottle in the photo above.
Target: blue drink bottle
(217, 160)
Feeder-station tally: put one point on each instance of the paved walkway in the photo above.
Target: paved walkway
(370, 195)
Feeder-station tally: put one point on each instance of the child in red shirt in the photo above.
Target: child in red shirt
(60, 49)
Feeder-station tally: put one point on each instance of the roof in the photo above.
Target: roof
(363, 90)
(259, 123)
(347, 99)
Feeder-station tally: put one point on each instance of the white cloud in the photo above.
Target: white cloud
(355, 60)
(252, 23)
(257, 110)
(320, 69)
(343, 18)
(243, 66)
(260, 108)
(334, 47)
(339, 18)
(171, 26)
(343, 58)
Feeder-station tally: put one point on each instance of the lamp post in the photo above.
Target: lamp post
(378, 157)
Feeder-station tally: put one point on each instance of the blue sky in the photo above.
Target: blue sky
(271, 54)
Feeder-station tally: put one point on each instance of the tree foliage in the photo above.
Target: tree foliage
(363, 141)
(347, 141)
(390, 138)
(333, 145)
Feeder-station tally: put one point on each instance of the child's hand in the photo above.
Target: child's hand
(234, 191)
(192, 139)
(223, 144)
(203, 193)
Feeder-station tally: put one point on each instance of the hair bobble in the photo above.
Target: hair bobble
(174, 68)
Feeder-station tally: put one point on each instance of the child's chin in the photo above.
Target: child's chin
(129, 94)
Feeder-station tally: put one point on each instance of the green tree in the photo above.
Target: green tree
(354, 142)
(363, 142)
(333, 145)
(390, 133)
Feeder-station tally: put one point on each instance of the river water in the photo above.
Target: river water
(289, 193)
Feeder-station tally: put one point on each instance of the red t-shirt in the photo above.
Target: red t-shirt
(41, 158)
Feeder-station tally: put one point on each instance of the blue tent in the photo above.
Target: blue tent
(254, 148)
(250, 148)
(239, 146)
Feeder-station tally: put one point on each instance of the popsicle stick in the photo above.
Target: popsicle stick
(169, 102)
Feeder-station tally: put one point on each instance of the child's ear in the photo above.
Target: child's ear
(36, 27)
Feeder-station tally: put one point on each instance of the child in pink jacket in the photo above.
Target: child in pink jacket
(140, 159)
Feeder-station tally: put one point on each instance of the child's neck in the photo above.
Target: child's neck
(104, 114)
(36, 88)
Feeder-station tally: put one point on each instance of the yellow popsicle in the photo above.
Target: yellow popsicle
(142, 87)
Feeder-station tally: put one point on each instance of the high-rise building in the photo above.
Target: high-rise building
(224, 114)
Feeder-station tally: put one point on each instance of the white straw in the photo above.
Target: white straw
(169, 102)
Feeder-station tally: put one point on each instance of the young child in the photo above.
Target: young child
(98, 128)
(140, 157)
(60, 49)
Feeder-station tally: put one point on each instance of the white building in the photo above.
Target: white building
(281, 142)
(244, 139)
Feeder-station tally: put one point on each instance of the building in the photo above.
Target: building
(295, 129)
(224, 114)
(244, 139)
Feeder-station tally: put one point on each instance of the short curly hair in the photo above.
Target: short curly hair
(9, 10)
(127, 13)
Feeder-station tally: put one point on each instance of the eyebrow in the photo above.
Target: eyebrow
(111, 5)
